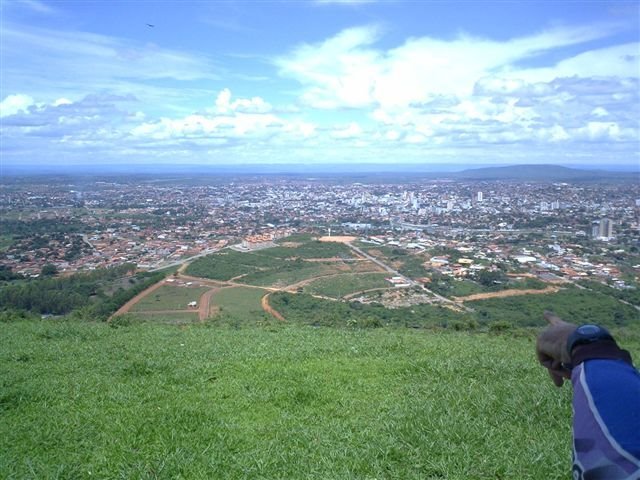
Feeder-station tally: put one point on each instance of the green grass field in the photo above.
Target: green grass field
(239, 301)
(169, 297)
(288, 273)
(342, 285)
(310, 249)
(83, 400)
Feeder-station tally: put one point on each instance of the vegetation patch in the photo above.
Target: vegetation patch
(312, 249)
(630, 294)
(579, 306)
(170, 297)
(341, 285)
(94, 295)
(174, 318)
(288, 273)
(306, 309)
(229, 264)
(239, 301)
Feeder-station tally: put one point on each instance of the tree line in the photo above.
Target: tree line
(93, 295)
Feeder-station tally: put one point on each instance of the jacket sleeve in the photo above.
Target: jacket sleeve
(606, 420)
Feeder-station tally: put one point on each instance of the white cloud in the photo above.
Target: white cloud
(62, 101)
(244, 105)
(245, 119)
(338, 72)
(18, 103)
(474, 91)
(347, 70)
(356, 100)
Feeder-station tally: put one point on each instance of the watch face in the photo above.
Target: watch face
(589, 329)
(587, 334)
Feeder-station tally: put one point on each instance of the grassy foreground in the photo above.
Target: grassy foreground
(81, 400)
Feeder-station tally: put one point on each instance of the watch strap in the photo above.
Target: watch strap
(602, 349)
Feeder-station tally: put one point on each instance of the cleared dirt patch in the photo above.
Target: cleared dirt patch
(338, 239)
(291, 244)
(505, 293)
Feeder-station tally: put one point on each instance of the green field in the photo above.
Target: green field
(227, 264)
(239, 301)
(83, 400)
(169, 297)
(271, 266)
(288, 273)
(174, 318)
(311, 249)
(339, 286)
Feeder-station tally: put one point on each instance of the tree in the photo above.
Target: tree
(488, 278)
(49, 270)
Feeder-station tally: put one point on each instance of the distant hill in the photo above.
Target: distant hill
(543, 173)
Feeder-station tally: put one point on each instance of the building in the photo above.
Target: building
(603, 230)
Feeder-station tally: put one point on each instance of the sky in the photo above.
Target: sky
(319, 82)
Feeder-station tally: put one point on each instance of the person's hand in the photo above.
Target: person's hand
(551, 347)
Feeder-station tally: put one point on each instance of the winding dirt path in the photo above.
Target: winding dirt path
(129, 305)
(269, 309)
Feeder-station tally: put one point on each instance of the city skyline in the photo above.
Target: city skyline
(319, 82)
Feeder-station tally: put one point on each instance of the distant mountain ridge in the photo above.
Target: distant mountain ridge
(543, 173)
(363, 171)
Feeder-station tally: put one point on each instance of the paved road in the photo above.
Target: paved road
(182, 261)
(386, 267)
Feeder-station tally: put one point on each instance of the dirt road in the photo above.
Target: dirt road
(204, 311)
(506, 293)
(269, 309)
(127, 306)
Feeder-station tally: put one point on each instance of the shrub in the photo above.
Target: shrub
(499, 326)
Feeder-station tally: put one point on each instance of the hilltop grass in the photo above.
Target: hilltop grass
(173, 318)
(83, 400)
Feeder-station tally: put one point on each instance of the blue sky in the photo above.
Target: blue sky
(319, 81)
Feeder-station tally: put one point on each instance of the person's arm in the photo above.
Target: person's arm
(606, 399)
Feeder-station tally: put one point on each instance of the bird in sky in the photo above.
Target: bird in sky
(150, 25)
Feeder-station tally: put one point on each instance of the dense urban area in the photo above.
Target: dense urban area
(427, 240)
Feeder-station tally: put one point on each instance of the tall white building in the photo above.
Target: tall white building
(603, 230)
(479, 196)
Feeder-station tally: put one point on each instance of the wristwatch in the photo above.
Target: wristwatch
(589, 342)
(586, 334)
